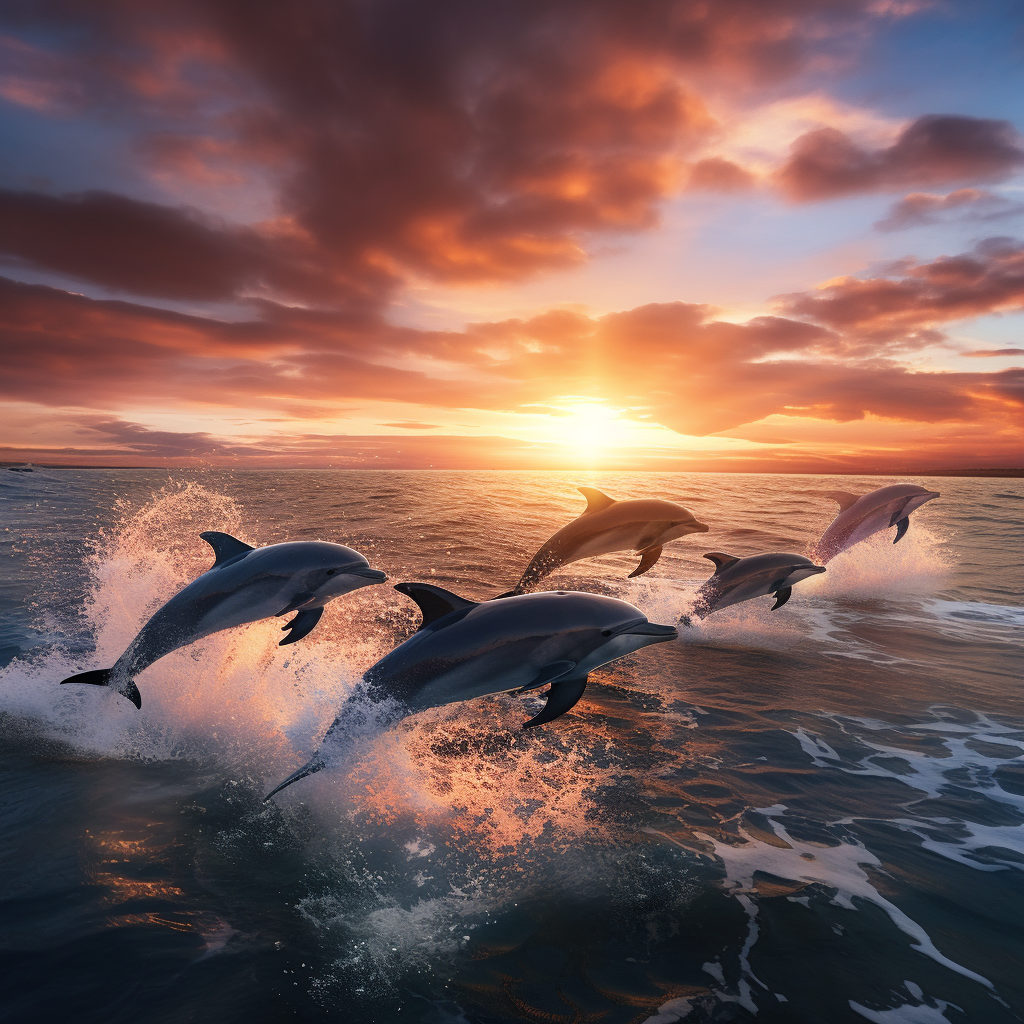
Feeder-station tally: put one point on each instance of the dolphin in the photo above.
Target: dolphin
(244, 584)
(739, 579)
(464, 649)
(860, 517)
(642, 525)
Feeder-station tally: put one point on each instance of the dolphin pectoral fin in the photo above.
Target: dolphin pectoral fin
(302, 625)
(562, 697)
(901, 528)
(781, 597)
(597, 500)
(434, 602)
(225, 547)
(548, 674)
(310, 768)
(101, 677)
(297, 602)
(647, 560)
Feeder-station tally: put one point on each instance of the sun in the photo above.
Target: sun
(589, 428)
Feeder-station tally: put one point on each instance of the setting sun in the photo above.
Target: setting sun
(592, 428)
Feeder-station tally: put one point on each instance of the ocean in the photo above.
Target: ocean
(814, 814)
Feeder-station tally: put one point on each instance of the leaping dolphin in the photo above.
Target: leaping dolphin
(861, 517)
(464, 650)
(642, 525)
(740, 579)
(244, 584)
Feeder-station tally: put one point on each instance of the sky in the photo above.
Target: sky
(751, 235)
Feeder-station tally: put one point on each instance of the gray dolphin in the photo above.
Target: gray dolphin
(642, 525)
(464, 650)
(861, 517)
(245, 584)
(739, 579)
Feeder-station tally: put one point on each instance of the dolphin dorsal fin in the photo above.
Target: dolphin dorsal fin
(721, 559)
(434, 602)
(597, 501)
(225, 547)
(845, 498)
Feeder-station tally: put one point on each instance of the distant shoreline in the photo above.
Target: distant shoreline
(1008, 473)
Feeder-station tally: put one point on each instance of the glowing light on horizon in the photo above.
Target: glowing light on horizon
(591, 428)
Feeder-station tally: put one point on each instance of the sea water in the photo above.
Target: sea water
(812, 814)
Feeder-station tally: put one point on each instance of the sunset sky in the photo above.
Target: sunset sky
(748, 234)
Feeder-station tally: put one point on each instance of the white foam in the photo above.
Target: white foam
(908, 1013)
(838, 867)
(672, 1011)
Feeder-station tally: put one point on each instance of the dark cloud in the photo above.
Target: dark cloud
(933, 150)
(906, 305)
(971, 204)
(163, 444)
(464, 140)
(162, 251)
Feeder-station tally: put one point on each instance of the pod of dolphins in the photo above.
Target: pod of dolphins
(517, 642)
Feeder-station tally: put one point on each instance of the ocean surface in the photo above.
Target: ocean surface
(813, 814)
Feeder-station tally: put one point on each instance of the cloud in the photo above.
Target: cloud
(411, 425)
(458, 140)
(716, 174)
(992, 352)
(164, 444)
(971, 204)
(162, 251)
(832, 356)
(932, 150)
(906, 306)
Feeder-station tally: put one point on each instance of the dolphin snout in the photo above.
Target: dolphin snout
(696, 527)
(654, 629)
(368, 574)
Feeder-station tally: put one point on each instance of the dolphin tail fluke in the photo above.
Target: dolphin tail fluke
(301, 625)
(562, 697)
(315, 764)
(901, 528)
(647, 560)
(781, 597)
(101, 677)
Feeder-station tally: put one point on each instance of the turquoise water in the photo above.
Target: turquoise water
(813, 814)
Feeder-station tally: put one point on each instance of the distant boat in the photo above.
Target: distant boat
(27, 468)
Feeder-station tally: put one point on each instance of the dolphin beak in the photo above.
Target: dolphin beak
(653, 629)
(696, 527)
(374, 575)
(814, 570)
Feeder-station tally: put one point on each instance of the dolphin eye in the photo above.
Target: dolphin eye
(606, 632)
(331, 572)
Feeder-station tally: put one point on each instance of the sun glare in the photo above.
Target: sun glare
(589, 428)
